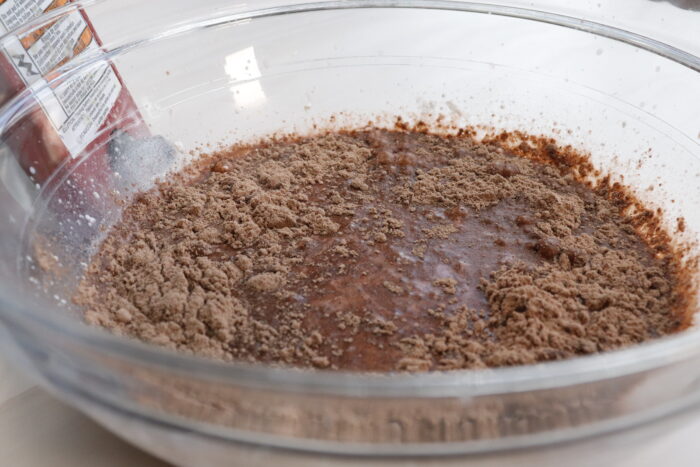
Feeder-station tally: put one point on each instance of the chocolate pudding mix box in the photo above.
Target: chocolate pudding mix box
(76, 116)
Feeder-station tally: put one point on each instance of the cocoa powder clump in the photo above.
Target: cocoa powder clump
(381, 250)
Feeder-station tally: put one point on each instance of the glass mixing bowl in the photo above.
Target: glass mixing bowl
(229, 72)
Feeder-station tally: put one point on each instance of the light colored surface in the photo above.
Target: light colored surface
(36, 430)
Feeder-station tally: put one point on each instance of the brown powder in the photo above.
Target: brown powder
(379, 251)
(447, 284)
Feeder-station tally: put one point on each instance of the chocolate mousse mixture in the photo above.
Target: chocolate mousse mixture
(381, 250)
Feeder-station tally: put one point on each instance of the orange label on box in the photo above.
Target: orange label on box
(78, 108)
(71, 116)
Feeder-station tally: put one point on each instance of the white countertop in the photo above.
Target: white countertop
(37, 430)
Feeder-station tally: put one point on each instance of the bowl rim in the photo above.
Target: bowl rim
(461, 383)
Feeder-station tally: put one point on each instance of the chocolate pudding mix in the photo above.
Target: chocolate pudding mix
(380, 250)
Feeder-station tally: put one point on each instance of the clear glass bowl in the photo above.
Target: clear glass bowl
(230, 72)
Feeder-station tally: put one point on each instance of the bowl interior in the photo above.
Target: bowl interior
(305, 72)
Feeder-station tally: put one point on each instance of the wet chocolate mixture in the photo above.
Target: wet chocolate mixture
(381, 250)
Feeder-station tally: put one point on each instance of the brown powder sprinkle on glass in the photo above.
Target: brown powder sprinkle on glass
(380, 250)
